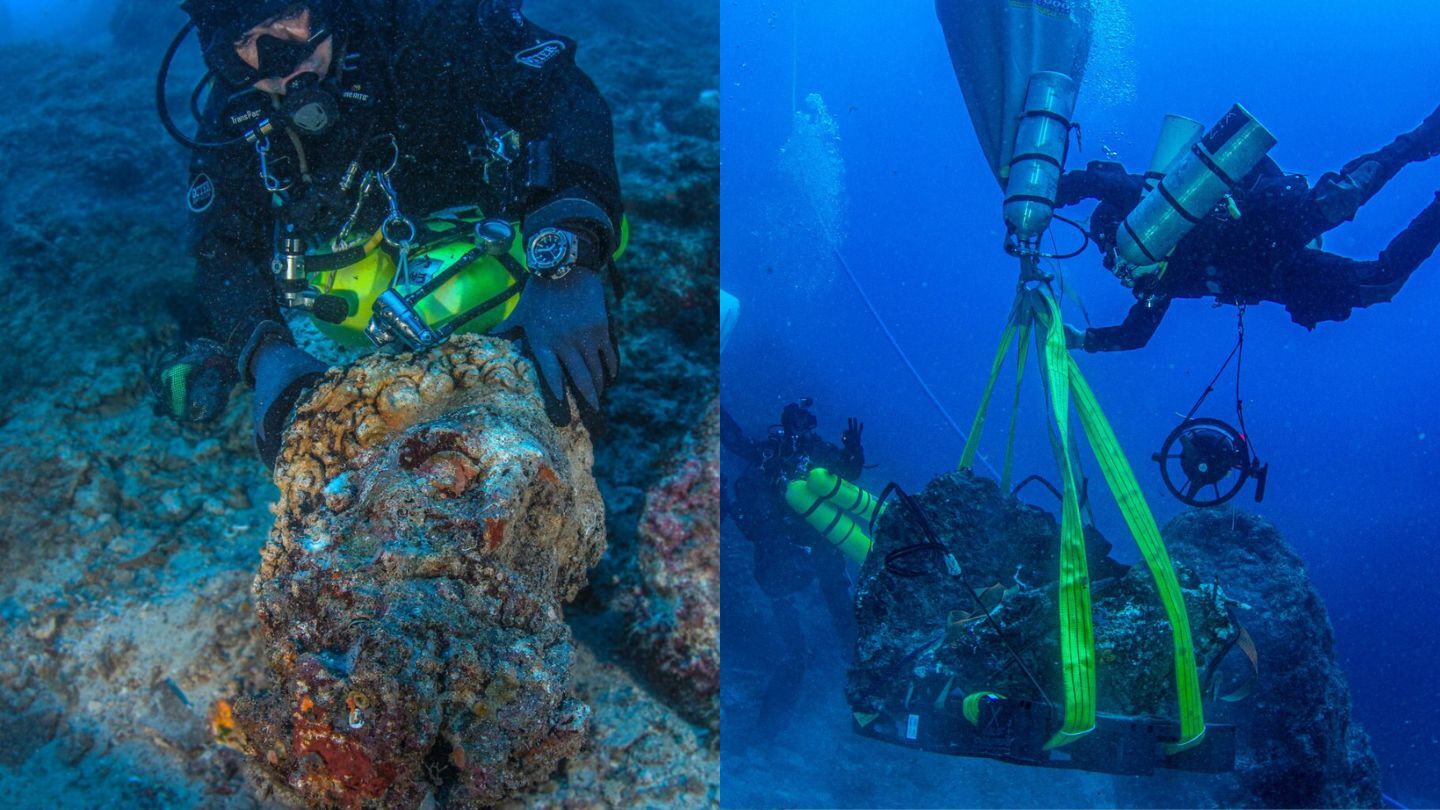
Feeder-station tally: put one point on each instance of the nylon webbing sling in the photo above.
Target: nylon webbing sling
(1036, 310)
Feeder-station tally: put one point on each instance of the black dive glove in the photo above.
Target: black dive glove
(851, 437)
(283, 375)
(566, 329)
(191, 381)
(562, 315)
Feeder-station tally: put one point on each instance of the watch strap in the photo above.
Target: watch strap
(588, 252)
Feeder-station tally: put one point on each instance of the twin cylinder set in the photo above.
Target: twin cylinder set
(1189, 173)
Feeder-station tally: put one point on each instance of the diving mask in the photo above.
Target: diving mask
(278, 57)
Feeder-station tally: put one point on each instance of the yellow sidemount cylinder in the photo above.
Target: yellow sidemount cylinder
(445, 243)
(1185, 196)
(838, 528)
(482, 287)
(831, 487)
(821, 498)
(1039, 155)
(1177, 135)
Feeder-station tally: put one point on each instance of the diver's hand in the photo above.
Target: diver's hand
(192, 381)
(851, 437)
(1074, 337)
(566, 330)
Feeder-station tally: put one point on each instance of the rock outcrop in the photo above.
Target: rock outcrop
(674, 611)
(1298, 746)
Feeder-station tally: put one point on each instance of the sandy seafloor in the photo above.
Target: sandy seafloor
(128, 544)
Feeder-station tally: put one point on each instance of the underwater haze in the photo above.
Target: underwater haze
(843, 126)
(75, 22)
(129, 543)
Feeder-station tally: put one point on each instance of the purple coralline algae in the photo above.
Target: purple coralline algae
(675, 610)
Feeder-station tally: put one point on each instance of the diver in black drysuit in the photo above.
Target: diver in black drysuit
(1264, 255)
(430, 85)
(789, 554)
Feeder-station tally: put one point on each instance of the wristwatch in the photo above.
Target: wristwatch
(551, 252)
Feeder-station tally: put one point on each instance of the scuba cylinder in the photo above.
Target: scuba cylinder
(835, 526)
(464, 275)
(1039, 156)
(1177, 134)
(1185, 196)
(829, 486)
(830, 504)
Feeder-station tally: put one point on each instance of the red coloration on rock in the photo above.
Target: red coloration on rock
(345, 761)
(494, 533)
(675, 611)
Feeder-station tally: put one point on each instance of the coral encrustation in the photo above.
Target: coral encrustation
(431, 525)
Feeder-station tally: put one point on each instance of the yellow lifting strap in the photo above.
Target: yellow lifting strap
(967, 457)
(1077, 633)
(1063, 381)
(970, 707)
(1009, 468)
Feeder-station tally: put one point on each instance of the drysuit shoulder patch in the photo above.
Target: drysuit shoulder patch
(201, 194)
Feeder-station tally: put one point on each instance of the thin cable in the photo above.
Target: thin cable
(1239, 363)
(914, 372)
(1211, 387)
(195, 110)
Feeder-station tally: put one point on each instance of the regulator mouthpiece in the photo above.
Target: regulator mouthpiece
(308, 106)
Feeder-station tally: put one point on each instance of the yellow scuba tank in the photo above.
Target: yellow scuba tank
(1039, 155)
(825, 500)
(1184, 197)
(473, 266)
(446, 250)
(829, 486)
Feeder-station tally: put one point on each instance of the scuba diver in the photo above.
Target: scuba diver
(1257, 245)
(332, 124)
(789, 554)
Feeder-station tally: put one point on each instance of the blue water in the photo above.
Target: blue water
(1345, 415)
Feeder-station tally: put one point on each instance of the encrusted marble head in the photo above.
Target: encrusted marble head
(431, 525)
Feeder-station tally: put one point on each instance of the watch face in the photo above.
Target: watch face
(548, 249)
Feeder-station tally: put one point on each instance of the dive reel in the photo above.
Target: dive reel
(1208, 454)
(1205, 454)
